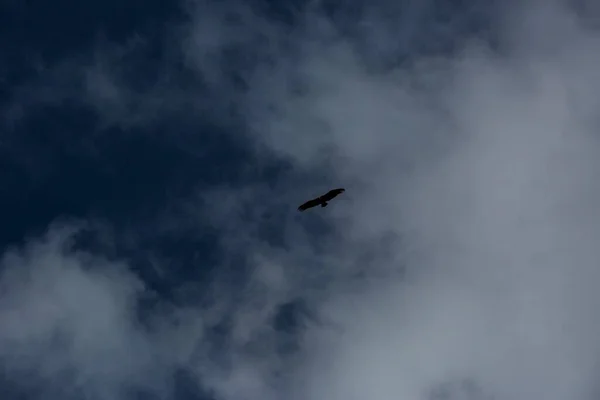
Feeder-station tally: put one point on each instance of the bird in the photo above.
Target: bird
(321, 200)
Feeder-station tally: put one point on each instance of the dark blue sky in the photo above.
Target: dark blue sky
(62, 160)
(52, 166)
(58, 162)
(126, 176)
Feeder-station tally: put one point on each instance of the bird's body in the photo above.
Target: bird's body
(321, 200)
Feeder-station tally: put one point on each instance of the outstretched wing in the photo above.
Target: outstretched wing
(332, 193)
(310, 204)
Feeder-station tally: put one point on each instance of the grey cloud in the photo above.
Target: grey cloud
(486, 173)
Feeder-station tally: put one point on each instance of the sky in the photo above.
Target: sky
(153, 155)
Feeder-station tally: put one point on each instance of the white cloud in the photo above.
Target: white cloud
(70, 320)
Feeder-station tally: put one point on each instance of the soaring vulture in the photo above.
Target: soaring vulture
(321, 200)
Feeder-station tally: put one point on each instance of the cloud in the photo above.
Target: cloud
(482, 164)
(460, 263)
(70, 318)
